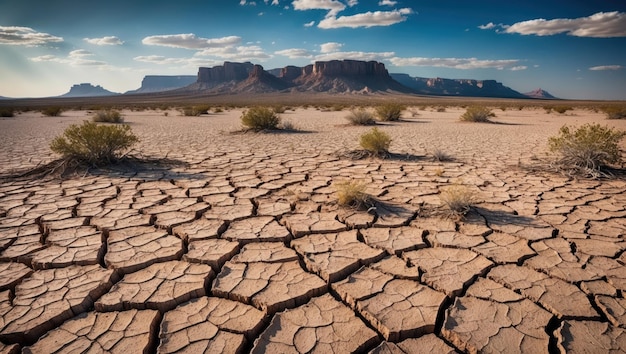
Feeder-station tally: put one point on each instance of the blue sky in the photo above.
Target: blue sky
(574, 49)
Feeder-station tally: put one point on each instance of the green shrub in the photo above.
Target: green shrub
(588, 148)
(7, 112)
(260, 118)
(376, 142)
(389, 112)
(52, 111)
(360, 117)
(353, 194)
(108, 116)
(614, 112)
(479, 114)
(458, 198)
(94, 144)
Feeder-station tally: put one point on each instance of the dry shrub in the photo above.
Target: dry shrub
(52, 111)
(587, 149)
(389, 112)
(360, 117)
(562, 109)
(441, 156)
(614, 112)
(260, 118)
(195, 111)
(94, 144)
(108, 116)
(376, 142)
(353, 194)
(458, 198)
(7, 112)
(479, 114)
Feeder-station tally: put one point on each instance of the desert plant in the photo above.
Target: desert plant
(288, 126)
(94, 144)
(278, 109)
(360, 117)
(562, 109)
(52, 111)
(441, 109)
(7, 112)
(389, 112)
(260, 118)
(353, 194)
(218, 110)
(441, 156)
(376, 142)
(108, 116)
(587, 149)
(458, 198)
(614, 112)
(479, 114)
(195, 111)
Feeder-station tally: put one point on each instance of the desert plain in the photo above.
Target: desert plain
(213, 240)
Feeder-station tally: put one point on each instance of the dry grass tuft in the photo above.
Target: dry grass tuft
(477, 114)
(458, 198)
(52, 111)
(441, 156)
(108, 116)
(352, 194)
(360, 117)
(260, 118)
(615, 112)
(389, 112)
(376, 142)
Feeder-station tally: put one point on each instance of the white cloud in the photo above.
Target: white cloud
(330, 47)
(456, 63)
(367, 19)
(190, 41)
(353, 2)
(606, 67)
(108, 40)
(387, 3)
(519, 68)
(490, 25)
(74, 58)
(366, 56)
(240, 53)
(295, 53)
(310, 24)
(26, 36)
(333, 6)
(599, 25)
(275, 2)
(244, 2)
(188, 62)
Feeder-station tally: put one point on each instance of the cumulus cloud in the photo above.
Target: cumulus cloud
(387, 3)
(330, 47)
(108, 40)
(189, 62)
(606, 67)
(333, 6)
(599, 25)
(519, 68)
(366, 56)
(238, 53)
(490, 25)
(26, 36)
(367, 19)
(456, 63)
(190, 41)
(295, 53)
(310, 24)
(79, 57)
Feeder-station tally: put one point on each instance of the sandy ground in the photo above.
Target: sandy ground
(236, 243)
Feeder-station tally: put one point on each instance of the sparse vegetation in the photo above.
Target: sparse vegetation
(7, 112)
(360, 117)
(278, 109)
(389, 112)
(562, 109)
(441, 156)
(458, 198)
(440, 109)
(287, 125)
(52, 111)
(352, 194)
(195, 111)
(479, 114)
(614, 112)
(94, 144)
(108, 116)
(376, 142)
(260, 118)
(588, 149)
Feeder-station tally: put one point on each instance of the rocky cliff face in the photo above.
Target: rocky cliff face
(540, 94)
(224, 73)
(457, 87)
(159, 83)
(88, 90)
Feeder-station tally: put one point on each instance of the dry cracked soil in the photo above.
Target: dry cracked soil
(230, 243)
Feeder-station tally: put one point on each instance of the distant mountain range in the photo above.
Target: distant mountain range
(335, 76)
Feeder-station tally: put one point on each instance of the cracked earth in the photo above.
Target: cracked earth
(235, 243)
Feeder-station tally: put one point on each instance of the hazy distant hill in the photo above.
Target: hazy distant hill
(540, 93)
(88, 90)
(457, 87)
(160, 83)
